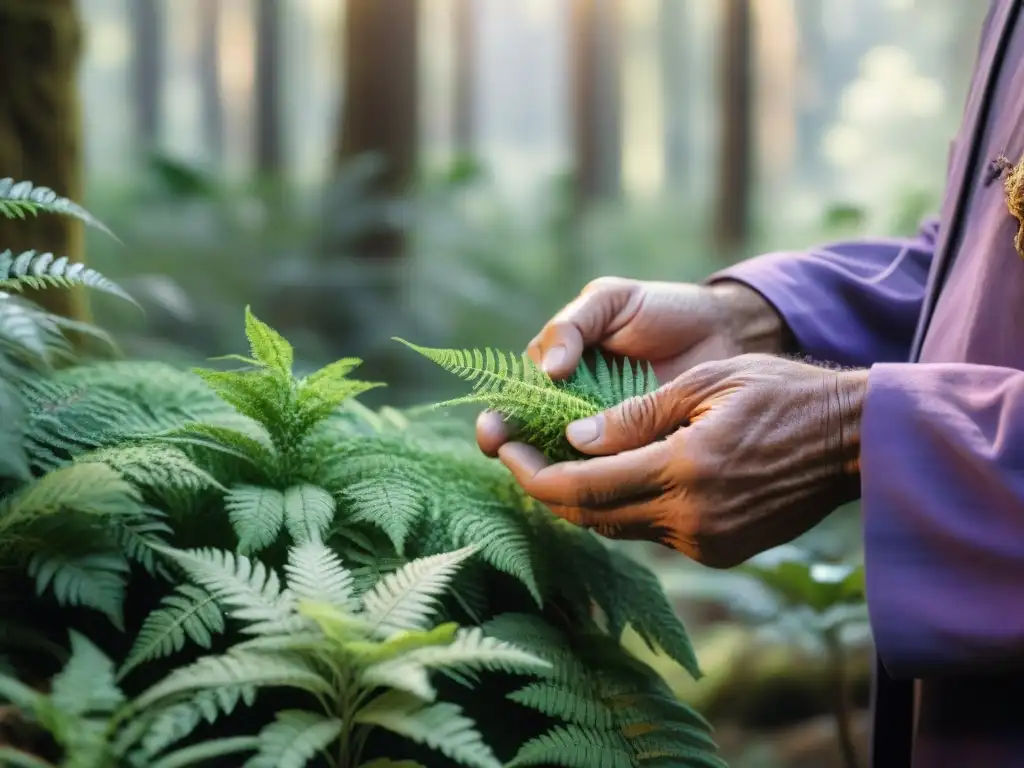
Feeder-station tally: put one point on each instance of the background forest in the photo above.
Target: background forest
(453, 171)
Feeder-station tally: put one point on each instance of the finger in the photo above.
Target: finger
(602, 483)
(631, 424)
(492, 431)
(601, 309)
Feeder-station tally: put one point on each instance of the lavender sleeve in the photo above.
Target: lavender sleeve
(853, 303)
(942, 482)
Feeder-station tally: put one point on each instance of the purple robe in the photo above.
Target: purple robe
(940, 321)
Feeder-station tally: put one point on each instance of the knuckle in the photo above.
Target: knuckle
(606, 283)
(638, 413)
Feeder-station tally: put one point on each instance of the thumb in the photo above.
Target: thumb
(631, 424)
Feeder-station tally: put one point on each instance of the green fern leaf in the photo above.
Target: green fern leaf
(86, 684)
(515, 387)
(294, 738)
(268, 347)
(407, 598)
(571, 746)
(88, 488)
(160, 467)
(566, 704)
(31, 269)
(250, 591)
(19, 199)
(171, 724)
(316, 574)
(500, 534)
(197, 754)
(392, 501)
(190, 612)
(257, 515)
(253, 445)
(308, 512)
(442, 727)
(96, 581)
(237, 668)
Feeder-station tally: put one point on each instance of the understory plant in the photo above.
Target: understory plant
(241, 566)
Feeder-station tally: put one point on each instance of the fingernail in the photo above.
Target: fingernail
(585, 431)
(554, 358)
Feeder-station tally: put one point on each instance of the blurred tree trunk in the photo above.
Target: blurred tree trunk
(269, 137)
(672, 26)
(465, 76)
(209, 19)
(380, 112)
(147, 75)
(596, 102)
(732, 203)
(41, 129)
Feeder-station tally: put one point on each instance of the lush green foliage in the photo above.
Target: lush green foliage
(286, 578)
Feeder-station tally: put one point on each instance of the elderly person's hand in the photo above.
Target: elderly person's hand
(727, 460)
(674, 326)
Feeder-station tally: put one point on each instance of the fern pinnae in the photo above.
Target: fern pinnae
(32, 269)
(19, 199)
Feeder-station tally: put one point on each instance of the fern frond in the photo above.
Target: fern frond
(294, 738)
(19, 199)
(308, 512)
(86, 685)
(542, 408)
(158, 467)
(250, 591)
(572, 746)
(391, 500)
(35, 270)
(237, 668)
(189, 612)
(269, 348)
(96, 581)
(316, 574)
(442, 727)
(256, 514)
(407, 598)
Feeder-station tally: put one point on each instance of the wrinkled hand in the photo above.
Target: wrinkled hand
(674, 326)
(727, 460)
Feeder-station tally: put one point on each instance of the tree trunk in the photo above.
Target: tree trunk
(380, 112)
(147, 79)
(209, 19)
(596, 102)
(464, 107)
(41, 129)
(673, 88)
(732, 204)
(269, 138)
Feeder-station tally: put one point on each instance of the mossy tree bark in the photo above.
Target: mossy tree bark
(41, 130)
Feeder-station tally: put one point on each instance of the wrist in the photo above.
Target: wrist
(849, 393)
(755, 325)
